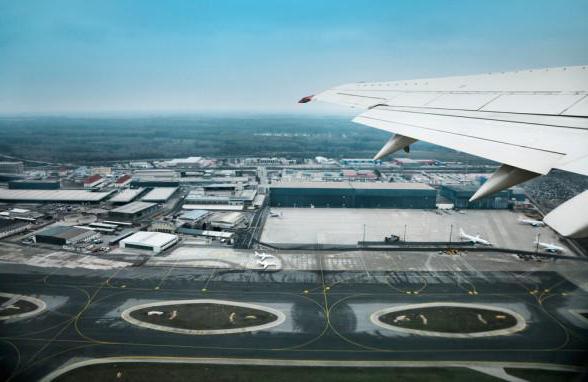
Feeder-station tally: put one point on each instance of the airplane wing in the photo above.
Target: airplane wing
(530, 121)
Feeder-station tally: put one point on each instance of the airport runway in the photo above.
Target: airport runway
(327, 315)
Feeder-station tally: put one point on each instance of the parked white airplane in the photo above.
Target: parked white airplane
(533, 222)
(474, 239)
(263, 256)
(549, 247)
(531, 121)
(265, 264)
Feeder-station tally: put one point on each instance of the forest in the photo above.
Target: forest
(105, 139)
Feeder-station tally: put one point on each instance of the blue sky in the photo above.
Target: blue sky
(89, 56)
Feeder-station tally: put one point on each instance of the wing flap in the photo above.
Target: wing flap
(514, 143)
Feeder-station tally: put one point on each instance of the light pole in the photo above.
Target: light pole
(364, 234)
(404, 233)
(537, 243)
(450, 234)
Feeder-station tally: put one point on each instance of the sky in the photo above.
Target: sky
(143, 56)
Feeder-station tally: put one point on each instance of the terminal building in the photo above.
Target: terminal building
(352, 195)
(460, 195)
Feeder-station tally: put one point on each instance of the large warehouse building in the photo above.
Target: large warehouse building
(133, 211)
(159, 194)
(352, 195)
(62, 235)
(52, 196)
(28, 184)
(151, 241)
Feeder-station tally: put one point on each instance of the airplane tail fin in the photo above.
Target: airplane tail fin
(461, 232)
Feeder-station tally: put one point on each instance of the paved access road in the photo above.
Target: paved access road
(327, 315)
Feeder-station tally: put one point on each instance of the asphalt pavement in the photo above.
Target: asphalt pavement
(327, 315)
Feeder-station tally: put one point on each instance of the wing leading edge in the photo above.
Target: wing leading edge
(530, 121)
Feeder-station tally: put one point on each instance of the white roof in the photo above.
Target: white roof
(159, 194)
(228, 218)
(133, 207)
(19, 210)
(224, 235)
(185, 160)
(152, 239)
(53, 195)
(126, 195)
(212, 207)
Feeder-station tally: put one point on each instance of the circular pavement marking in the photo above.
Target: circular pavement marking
(520, 321)
(126, 315)
(41, 306)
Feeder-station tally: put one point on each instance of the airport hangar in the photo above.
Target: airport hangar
(63, 235)
(352, 195)
(155, 242)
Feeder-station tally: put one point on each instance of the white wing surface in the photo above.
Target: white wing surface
(530, 121)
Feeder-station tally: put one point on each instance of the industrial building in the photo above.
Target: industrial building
(193, 217)
(133, 211)
(10, 227)
(64, 235)
(155, 178)
(360, 162)
(93, 181)
(53, 196)
(213, 207)
(101, 170)
(207, 180)
(352, 195)
(156, 173)
(154, 182)
(188, 163)
(460, 195)
(127, 195)
(227, 220)
(7, 167)
(30, 184)
(162, 226)
(123, 181)
(22, 215)
(155, 242)
(241, 198)
(222, 235)
(159, 194)
(409, 162)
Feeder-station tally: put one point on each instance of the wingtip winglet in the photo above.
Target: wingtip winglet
(306, 99)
